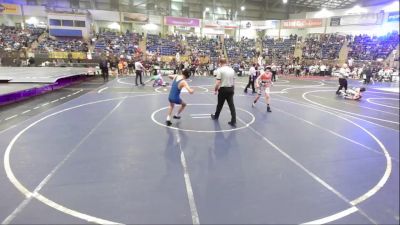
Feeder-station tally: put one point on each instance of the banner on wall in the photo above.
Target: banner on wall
(259, 24)
(135, 17)
(10, 9)
(301, 23)
(64, 55)
(221, 24)
(182, 21)
(393, 17)
(366, 19)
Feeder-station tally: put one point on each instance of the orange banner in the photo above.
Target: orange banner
(10, 9)
(301, 23)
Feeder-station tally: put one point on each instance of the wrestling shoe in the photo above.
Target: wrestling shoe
(233, 124)
(168, 122)
(253, 105)
(213, 117)
(269, 109)
(176, 117)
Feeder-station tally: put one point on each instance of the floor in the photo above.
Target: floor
(36, 74)
(106, 157)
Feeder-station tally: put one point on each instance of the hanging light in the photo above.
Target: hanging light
(114, 26)
(324, 13)
(357, 10)
(150, 26)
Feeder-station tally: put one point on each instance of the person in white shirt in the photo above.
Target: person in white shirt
(139, 68)
(343, 74)
(322, 70)
(273, 69)
(252, 77)
(225, 88)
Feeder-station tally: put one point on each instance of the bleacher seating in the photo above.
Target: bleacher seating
(203, 46)
(12, 38)
(325, 46)
(248, 48)
(50, 44)
(118, 44)
(279, 49)
(168, 46)
(232, 49)
(364, 47)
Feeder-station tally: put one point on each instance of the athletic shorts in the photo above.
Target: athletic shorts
(262, 89)
(175, 101)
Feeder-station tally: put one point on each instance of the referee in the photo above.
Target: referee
(224, 86)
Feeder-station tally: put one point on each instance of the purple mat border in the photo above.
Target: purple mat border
(28, 93)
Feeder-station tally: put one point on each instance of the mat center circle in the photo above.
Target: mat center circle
(196, 118)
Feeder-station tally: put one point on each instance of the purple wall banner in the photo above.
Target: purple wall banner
(182, 21)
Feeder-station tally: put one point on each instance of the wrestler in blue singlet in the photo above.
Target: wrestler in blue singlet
(174, 94)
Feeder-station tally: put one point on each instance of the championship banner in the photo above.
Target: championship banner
(10, 9)
(135, 17)
(301, 23)
(221, 24)
(64, 55)
(58, 55)
(393, 17)
(181, 21)
(79, 55)
(366, 19)
(259, 24)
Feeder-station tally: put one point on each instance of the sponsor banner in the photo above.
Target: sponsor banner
(10, 9)
(393, 17)
(182, 21)
(135, 17)
(366, 19)
(64, 55)
(221, 24)
(301, 23)
(259, 24)
(155, 19)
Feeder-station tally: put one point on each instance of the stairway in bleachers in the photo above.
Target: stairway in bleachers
(344, 52)
(390, 60)
(298, 51)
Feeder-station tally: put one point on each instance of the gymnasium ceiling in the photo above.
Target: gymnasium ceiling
(216, 9)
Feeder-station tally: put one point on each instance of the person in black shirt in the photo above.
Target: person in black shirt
(104, 69)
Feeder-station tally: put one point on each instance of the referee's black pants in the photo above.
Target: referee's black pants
(273, 76)
(138, 75)
(342, 84)
(251, 82)
(226, 93)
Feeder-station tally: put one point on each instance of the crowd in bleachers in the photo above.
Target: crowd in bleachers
(248, 48)
(111, 42)
(50, 44)
(169, 45)
(210, 47)
(279, 49)
(14, 39)
(232, 49)
(324, 46)
(364, 47)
